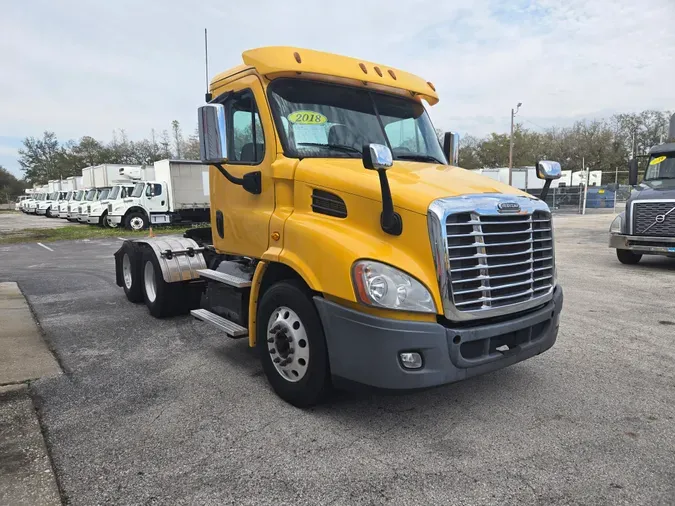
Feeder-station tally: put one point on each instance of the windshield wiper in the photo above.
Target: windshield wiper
(419, 157)
(339, 147)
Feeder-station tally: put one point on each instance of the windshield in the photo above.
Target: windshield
(138, 190)
(91, 194)
(114, 192)
(320, 120)
(104, 194)
(68, 196)
(661, 167)
(78, 195)
(53, 196)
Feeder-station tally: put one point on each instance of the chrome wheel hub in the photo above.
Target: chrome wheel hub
(126, 271)
(136, 223)
(287, 344)
(149, 279)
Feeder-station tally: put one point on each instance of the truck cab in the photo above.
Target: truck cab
(135, 211)
(346, 244)
(48, 206)
(100, 210)
(32, 204)
(92, 196)
(72, 205)
(61, 211)
(647, 226)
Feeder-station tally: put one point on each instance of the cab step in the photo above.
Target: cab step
(223, 277)
(234, 330)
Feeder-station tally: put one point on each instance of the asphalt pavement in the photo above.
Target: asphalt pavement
(171, 412)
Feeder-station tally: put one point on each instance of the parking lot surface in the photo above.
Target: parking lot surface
(10, 222)
(171, 412)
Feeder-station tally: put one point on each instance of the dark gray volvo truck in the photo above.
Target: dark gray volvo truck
(647, 226)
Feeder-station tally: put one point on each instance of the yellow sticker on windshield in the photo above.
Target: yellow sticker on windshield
(657, 160)
(307, 118)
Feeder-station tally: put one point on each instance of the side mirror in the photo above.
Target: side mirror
(633, 172)
(548, 170)
(377, 157)
(451, 147)
(212, 136)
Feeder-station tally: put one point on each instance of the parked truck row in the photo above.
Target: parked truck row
(131, 196)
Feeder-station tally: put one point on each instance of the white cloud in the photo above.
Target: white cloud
(78, 67)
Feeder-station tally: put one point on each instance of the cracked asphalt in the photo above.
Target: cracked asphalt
(170, 412)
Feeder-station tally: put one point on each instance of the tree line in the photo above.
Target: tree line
(605, 145)
(45, 158)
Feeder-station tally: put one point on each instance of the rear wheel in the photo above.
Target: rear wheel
(628, 257)
(291, 343)
(130, 275)
(163, 299)
(136, 221)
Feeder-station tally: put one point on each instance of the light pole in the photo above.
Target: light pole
(513, 113)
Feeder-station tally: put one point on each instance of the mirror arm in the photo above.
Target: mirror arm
(252, 181)
(390, 221)
(544, 191)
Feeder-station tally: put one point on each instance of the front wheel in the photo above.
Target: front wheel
(628, 257)
(48, 212)
(291, 343)
(136, 221)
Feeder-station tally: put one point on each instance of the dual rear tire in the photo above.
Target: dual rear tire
(143, 282)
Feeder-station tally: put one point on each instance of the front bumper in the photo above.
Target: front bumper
(365, 349)
(643, 244)
(115, 219)
(41, 212)
(82, 218)
(93, 219)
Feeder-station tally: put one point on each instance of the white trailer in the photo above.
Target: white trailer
(105, 175)
(88, 178)
(179, 193)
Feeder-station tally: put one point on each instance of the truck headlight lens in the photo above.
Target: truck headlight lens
(380, 285)
(617, 224)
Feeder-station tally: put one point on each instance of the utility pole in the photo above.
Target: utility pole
(587, 170)
(513, 113)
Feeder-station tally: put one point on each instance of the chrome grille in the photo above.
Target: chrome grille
(652, 218)
(499, 260)
(110, 208)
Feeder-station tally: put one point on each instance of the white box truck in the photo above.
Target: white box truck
(179, 193)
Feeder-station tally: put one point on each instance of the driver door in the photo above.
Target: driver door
(240, 219)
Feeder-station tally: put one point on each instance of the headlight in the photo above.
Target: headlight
(617, 225)
(381, 285)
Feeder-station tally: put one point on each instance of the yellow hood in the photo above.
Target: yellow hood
(414, 185)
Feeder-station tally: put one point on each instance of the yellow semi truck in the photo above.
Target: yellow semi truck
(345, 243)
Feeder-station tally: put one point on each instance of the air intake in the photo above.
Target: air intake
(324, 202)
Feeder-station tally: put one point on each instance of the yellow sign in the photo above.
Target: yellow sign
(601, 191)
(307, 118)
(657, 160)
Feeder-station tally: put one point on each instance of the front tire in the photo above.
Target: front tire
(628, 257)
(48, 212)
(136, 221)
(292, 345)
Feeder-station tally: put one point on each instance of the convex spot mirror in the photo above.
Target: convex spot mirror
(547, 169)
(377, 157)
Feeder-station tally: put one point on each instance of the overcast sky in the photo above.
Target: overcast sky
(86, 67)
